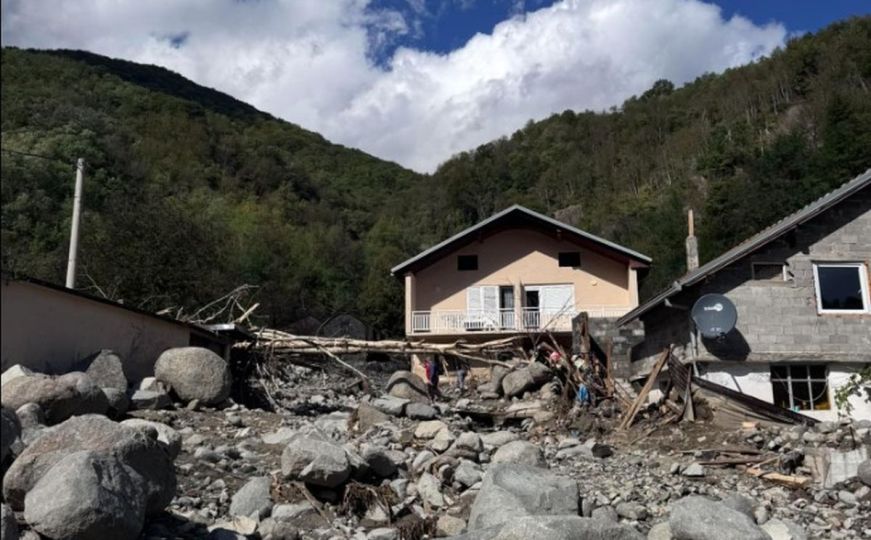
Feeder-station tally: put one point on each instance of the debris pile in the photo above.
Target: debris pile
(518, 455)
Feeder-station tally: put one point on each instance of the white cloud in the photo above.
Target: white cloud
(310, 61)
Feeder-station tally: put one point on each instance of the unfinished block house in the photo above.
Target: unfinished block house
(804, 311)
(517, 272)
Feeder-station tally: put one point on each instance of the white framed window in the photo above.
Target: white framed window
(841, 287)
(801, 387)
(768, 271)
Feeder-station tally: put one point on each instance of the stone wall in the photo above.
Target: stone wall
(622, 339)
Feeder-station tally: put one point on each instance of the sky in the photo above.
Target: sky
(417, 81)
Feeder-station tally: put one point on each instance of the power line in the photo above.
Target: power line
(28, 154)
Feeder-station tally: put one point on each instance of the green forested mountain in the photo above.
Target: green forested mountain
(190, 192)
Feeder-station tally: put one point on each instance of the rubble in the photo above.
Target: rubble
(333, 460)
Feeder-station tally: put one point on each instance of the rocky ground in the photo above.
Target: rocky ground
(340, 463)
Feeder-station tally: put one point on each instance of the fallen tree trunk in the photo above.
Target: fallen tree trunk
(278, 343)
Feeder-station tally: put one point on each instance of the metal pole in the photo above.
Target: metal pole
(74, 226)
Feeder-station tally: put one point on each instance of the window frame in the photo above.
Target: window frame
(808, 379)
(862, 270)
(467, 257)
(783, 272)
(572, 253)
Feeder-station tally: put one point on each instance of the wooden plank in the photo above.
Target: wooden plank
(648, 385)
(787, 480)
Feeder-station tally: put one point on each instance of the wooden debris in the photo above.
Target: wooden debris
(783, 479)
(648, 385)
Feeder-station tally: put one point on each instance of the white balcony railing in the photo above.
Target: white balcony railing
(504, 320)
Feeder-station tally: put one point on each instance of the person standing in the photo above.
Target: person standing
(432, 378)
(462, 371)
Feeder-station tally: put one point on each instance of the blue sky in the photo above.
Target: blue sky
(446, 25)
(417, 81)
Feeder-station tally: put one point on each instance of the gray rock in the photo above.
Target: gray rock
(10, 429)
(368, 416)
(660, 531)
(97, 433)
(421, 460)
(59, 397)
(420, 411)
(379, 460)
(631, 510)
(469, 440)
(863, 471)
(164, 434)
(511, 490)
(291, 512)
(450, 526)
(253, 498)
(442, 441)
(738, 502)
(494, 385)
(14, 372)
(383, 533)
(429, 489)
(152, 400)
(498, 438)
(608, 513)
(30, 415)
(105, 369)
(282, 436)
(429, 429)
(407, 385)
(118, 401)
(519, 452)
(562, 527)
(783, 530)
(694, 470)
(391, 405)
(698, 518)
(528, 378)
(87, 496)
(467, 473)
(320, 463)
(8, 525)
(194, 373)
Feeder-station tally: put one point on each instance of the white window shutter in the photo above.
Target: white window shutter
(490, 303)
(473, 300)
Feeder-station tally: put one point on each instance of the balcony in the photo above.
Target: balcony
(504, 320)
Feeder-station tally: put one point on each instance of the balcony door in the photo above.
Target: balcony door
(545, 304)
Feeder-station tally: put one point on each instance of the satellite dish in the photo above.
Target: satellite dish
(714, 315)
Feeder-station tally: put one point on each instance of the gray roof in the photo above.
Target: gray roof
(755, 242)
(457, 238)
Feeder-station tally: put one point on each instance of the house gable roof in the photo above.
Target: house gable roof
(755, 242)
(520, 216)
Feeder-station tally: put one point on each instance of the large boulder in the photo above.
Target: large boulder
(494, 385)
(194, 373)
(509, 491)
(13, 372)
(407, 385)
(317, 462)
(132, 447)
(59, 397)
(699, 518)
(863, 471)
(529, 378)
(554, 528)
(88, 496)
(519, 452)
(105, 369)
(164, 434)
(10, 429)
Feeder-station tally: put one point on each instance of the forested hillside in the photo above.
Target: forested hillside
(190, 193)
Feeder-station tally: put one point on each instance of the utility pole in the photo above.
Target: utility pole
(74, 226)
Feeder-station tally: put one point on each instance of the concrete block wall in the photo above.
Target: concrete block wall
(622, 339)
(778, 320)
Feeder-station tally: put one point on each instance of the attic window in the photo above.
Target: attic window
(765, 271)
(841, 288)
(467, 262)
(570, 258)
